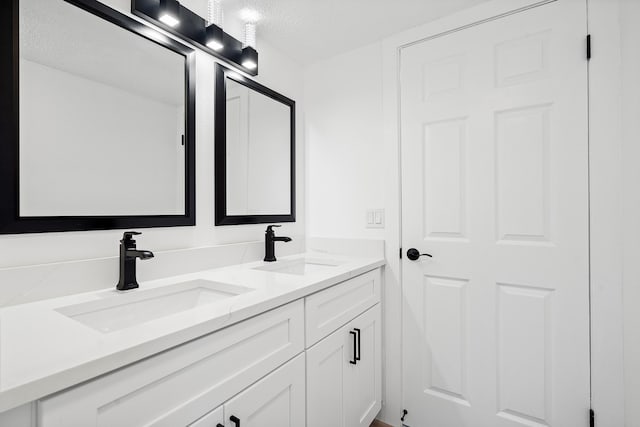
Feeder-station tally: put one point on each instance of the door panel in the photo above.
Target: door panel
(495, 187)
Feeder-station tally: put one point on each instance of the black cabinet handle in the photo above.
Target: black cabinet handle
(413, 254)
(355, 344)
(219, 425)
(359, 348)
(235, 420)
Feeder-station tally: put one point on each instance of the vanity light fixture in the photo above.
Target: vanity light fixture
(213, 33)
(249, 57)
(206, 33)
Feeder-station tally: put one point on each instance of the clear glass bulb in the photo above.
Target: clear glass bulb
(214, 12)
(250, 34)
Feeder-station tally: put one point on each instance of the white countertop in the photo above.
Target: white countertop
(43, 351)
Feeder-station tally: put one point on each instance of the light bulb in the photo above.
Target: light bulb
(215, 45)
(169, 12)
(249, 64)
(169, 20)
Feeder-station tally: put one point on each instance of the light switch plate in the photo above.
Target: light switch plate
(375, 218)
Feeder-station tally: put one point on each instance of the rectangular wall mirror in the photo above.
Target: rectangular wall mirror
(101, 127)
(255, 152)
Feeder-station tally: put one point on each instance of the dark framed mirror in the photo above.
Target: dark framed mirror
(98, 120)
(254, 152)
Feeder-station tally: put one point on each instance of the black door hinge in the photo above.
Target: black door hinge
(400, 253)
(592, 418)
(588, 46)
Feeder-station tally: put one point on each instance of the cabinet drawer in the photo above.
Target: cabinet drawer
(330, 309)
(179, 386)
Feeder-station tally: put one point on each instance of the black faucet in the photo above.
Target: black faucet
(128, 255)
(269, 240)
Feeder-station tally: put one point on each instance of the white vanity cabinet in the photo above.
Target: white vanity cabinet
(344, 368)
(313, 362)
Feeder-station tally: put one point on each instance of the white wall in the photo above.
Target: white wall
(630, 32)
(344, 137)
(277, 72)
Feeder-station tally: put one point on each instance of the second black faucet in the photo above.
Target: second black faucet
(269, 243)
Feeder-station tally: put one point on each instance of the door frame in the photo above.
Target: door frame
(605, 175)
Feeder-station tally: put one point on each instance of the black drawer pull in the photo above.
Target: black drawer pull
(235, 420)
(358, 354)
(219, 425)
(355, 344)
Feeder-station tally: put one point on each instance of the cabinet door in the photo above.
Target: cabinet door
(344, 374)
(363, 380)
(326, 365)
(277, 400)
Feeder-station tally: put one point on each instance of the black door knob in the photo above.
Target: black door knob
(413, 254)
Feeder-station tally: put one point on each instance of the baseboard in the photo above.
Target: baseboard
(377, 423)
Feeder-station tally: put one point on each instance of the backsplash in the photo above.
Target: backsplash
(21, 285)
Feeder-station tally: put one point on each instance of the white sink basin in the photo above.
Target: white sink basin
(140, 306)
(299, 267)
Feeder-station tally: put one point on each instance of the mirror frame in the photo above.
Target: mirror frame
(221, 216)
(10, 220)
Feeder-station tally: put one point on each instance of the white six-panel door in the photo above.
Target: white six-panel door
(495, 187)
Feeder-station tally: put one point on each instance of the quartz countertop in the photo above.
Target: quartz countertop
(42, 351)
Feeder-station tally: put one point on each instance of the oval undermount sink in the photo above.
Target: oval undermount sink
(299, 266)
(140, 306)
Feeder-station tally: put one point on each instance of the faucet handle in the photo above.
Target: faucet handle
(127, 236)
(270, 228)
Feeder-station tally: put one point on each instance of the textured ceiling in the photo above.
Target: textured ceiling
(311, 30)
